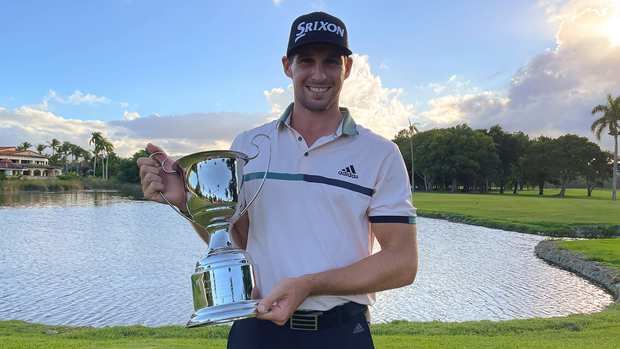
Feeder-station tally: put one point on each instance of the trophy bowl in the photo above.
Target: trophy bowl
(224, 278)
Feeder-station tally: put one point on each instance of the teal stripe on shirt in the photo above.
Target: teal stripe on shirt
(310, 179)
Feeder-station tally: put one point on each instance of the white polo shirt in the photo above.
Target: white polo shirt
(315, 209)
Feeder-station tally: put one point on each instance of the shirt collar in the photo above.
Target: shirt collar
(347, 125)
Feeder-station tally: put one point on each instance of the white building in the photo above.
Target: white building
(26, 163)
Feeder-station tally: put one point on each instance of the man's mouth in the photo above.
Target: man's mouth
(317, 89)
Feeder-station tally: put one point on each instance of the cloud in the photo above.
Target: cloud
(555, 91)
(76, 98)
(478, 110)
(177, 134)
(279, 98)
(372, 105)
(130, 115)
(277, 2)
(455, 84)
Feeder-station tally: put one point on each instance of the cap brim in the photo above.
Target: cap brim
(344, 50)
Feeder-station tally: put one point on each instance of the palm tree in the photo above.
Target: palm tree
(108, 148)
(41, 148)
(611, 121)
(64, 150)
(24, 146)
(412, 131)
(86, 155)
(95, 139)
(54, 144)
(75, 151)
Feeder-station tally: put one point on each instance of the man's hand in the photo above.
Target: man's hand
(155, 180)
(284, 299)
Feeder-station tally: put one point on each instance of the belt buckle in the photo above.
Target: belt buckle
(305, 322)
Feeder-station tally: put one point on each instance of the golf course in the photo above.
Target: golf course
(573, 216)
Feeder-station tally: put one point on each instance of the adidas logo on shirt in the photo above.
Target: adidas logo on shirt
(348, 171)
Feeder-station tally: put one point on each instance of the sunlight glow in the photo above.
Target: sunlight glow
(612, 29)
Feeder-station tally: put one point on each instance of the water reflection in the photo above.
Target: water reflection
(26, 199)
(99, 259)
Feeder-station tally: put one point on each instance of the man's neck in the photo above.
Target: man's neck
(314, 125)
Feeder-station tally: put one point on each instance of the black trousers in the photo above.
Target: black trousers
(261, 334)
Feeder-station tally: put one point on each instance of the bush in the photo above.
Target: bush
(70, 175)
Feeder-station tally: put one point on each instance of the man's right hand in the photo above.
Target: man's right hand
(155, 180)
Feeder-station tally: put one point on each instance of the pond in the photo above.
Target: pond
(98, 259)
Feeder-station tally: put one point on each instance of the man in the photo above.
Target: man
(333, 187)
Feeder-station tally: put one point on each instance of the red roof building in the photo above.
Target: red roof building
(18, 163)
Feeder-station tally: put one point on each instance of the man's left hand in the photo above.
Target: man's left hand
(281, 303)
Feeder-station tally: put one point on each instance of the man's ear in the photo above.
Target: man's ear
(286, 66)
(348, 63)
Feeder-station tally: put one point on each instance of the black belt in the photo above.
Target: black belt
(310, 320)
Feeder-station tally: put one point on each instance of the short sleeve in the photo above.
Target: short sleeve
(391, 201)
(237, 144)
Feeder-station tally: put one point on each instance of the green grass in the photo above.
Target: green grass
(574, 215)
(605, 251)
(601, 330)
(525, 212)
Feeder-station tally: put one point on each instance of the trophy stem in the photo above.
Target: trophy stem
(220, 240)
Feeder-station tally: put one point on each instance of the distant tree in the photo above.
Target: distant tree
(41, 148)
(108, 149)
(24, 146)
(571, 155)
(95, 139)
(598, 167)
(76, 152)
(420, 157)
(517, 172)
(64, 150)
(510, 148)
(610, 121)
(128, 169)
(452, 157)
(54, 144)
(539, 164)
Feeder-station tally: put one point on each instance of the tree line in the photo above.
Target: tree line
(101, 161)
(463, 159)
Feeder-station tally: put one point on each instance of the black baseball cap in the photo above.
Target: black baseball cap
(315, 28)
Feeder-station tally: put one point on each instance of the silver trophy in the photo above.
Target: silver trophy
(224, 278)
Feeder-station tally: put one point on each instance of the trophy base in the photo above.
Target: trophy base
(223, 313)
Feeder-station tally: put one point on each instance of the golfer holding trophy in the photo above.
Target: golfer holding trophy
(292, 211)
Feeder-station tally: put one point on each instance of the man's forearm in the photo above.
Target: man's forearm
(384, 270)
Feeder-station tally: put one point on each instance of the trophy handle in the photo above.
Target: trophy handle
(163, 168)
(260, 187)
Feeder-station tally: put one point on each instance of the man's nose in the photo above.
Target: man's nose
(318, 73)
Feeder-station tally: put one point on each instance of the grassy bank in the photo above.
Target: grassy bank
(69, 184)
(600, 330)
(545, 215)
(572, 216)
(605, 251)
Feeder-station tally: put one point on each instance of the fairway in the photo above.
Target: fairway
(605, 251)
(527, 212)
(601, 330)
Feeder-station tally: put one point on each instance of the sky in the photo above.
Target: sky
(191, 75)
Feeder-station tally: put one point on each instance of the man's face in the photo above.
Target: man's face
(318, 72)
